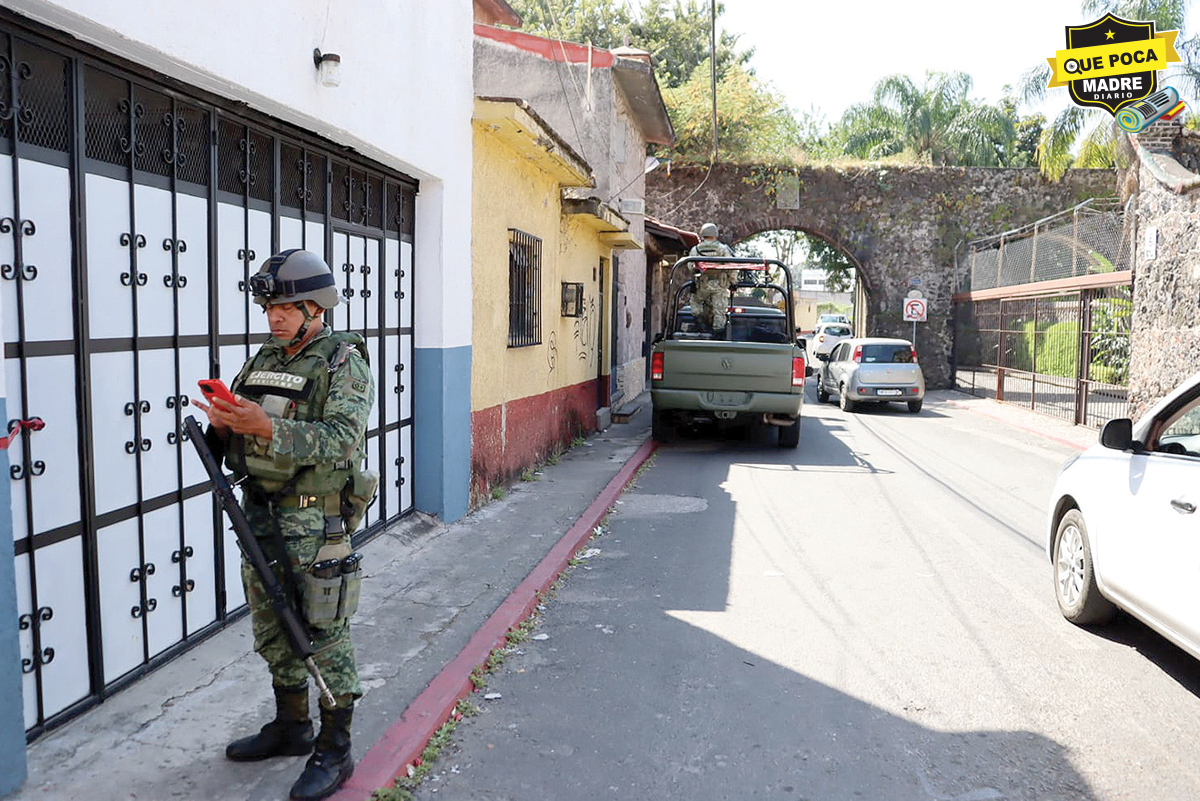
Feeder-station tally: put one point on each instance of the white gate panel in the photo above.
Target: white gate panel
(372, 461)
(25, 641)
(314, 238)
(389, 283)
(260, 242)
(60, 586)
(338, 262)
(232, 357)
(108, 259)
(115, 468)
(46, 202)
(373, 419)
(231, 241)
(12, 377)
(406, 284)
(353, 283)
(201, 565)
(120, 625)
(389, 389)
(160, 470)
(390, 484)
(164, 621)
(291, 233)
(156, 302)
(191, 223)
(370, 283)
(406, 468)
(193, 366)
(51, 388)
(405, 376)
(8, 290)
(235, 595)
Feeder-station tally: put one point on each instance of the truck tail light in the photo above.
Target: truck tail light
(857, 354)
(656, 366)
(798, 371)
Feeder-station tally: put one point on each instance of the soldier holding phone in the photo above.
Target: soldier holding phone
(296, 434)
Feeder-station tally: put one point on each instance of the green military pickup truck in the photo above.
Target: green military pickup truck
(752, 372)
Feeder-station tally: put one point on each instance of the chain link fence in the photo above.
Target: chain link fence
(1092, 238)
(1052, 348)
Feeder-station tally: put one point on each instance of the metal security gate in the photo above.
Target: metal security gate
(131, 217)
(1042, 314)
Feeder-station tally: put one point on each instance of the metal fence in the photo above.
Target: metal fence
(1092, 238)
(1042, 316)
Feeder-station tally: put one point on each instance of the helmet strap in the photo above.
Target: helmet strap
(308, 318)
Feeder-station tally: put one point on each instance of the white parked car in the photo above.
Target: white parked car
(826, 335)
(1123, 530)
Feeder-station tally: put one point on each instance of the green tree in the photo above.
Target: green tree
(674, 32)
(936, 122)
(754, 125)
(839, 269)
(1061, 139)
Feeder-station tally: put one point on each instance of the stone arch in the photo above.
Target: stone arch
(896, 223)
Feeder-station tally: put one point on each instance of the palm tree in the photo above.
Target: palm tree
(1097, 148)
(936, 122)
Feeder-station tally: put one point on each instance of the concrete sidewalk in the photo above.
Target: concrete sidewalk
(430, 592)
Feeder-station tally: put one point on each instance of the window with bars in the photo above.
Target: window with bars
(524, 289)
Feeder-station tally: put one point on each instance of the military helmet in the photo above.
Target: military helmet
(708, 229)
(292, 276)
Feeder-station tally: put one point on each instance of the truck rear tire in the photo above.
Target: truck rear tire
(661, 427)
(789, 436)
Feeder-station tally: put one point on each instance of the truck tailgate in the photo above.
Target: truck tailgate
(733, 366)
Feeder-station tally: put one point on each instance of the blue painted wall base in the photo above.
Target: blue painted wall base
(442, 431)
(12, 718)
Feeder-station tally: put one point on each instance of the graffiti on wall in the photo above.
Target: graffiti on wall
(584, 338)
(552, 350)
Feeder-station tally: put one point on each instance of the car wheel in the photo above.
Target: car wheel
(914, 406)
(661, 426)
(789, 436)
(1079, 598)
(822, 395)
(844, 402)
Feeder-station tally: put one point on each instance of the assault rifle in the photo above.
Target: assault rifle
(289, 620)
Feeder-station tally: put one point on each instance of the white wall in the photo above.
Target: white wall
(406, 97)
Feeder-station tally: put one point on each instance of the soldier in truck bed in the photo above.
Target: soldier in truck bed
(712, 286)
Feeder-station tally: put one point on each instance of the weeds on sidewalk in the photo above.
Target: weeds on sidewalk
(419, 768)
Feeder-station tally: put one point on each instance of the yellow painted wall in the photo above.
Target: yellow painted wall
(510, 191)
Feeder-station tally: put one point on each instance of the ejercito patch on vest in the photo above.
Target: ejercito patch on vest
(263, 381)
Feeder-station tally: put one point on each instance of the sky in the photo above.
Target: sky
(830, 54)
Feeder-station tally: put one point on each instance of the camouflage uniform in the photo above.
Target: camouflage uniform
(712, 287)
(335, 434)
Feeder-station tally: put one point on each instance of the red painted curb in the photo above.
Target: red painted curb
(970, 407)
(407, 737)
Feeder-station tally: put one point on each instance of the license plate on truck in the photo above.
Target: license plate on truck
(889, 392)
(727, 398)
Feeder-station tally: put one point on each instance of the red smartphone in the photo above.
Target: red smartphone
(215, 388)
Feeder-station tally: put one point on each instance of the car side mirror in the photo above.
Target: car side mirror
(802, 343)
(658, 338)
(822, 357)
(1117, 434)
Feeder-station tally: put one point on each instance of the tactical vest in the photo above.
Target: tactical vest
(297, 393)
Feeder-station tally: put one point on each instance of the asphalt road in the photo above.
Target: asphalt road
(867, 617)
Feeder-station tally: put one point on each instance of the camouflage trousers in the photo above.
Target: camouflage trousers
(304, 533)
(709, 302)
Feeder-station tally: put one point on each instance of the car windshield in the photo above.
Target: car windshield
(895, 353)
(837, 331)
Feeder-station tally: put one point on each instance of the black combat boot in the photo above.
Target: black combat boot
(289, 734)
(331, 764)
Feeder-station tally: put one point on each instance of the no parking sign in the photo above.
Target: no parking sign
(914, 310)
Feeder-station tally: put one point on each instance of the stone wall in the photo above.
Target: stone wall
(900, 225)
(1165, 346)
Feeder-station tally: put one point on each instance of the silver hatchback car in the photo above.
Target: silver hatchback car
(872, 370)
